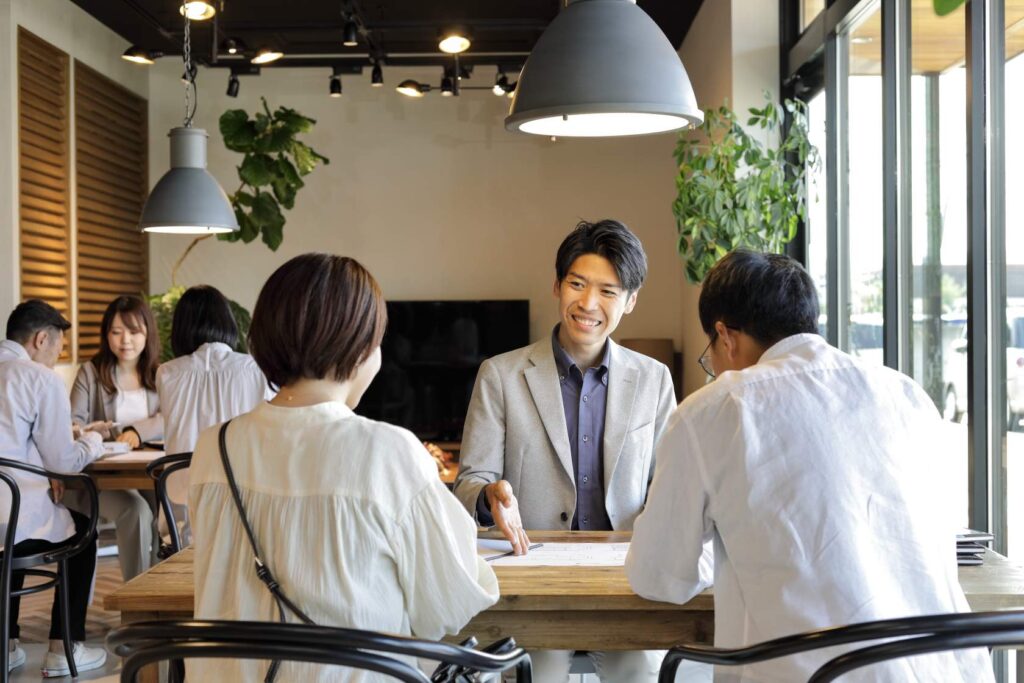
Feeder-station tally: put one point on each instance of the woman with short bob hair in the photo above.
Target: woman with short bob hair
(349, 513)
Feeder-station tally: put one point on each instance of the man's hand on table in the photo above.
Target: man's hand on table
(505, 511)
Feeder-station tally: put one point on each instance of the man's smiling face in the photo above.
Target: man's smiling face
(591, 301)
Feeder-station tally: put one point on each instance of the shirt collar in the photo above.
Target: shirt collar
(564, 362)
(15, 348)
(786, 345)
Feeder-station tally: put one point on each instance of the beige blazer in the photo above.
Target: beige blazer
(91, 402)
(515, 430)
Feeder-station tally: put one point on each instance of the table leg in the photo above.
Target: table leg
(154, 673)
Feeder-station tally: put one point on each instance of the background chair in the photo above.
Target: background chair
(29, 564)
(146, 643)
(919, 635)
(160, 470)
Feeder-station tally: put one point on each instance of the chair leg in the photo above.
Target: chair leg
(65, 615)
(5, 632)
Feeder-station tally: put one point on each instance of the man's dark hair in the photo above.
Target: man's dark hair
(768, 296)
(611, 240)
(32, 316)
(317, 317)
(203, 315)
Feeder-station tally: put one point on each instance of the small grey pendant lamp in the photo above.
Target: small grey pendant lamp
(603, 68)
(187, 199)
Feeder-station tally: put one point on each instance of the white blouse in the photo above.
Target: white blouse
(814, 474)
(131, 406)
(352, 520)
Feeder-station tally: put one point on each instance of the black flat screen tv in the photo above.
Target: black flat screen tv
(431, 353)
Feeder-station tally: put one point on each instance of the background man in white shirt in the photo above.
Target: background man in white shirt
(803, 465)
(35, 428)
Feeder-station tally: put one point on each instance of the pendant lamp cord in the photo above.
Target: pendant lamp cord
(191, 95)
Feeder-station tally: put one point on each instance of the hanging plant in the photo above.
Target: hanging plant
(736, 191)
(944, 7)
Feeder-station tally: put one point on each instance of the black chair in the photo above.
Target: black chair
(146, 643)
(919, 635)
(30, 564)
(159, 470)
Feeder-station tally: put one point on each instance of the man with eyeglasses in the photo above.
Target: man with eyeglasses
(804, 466)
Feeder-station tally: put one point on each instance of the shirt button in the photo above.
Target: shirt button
(586, 519)
(586, 398)
(586, 438)
(561, 378)
(585, 479)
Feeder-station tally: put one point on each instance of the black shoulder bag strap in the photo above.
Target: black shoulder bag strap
(262, 570)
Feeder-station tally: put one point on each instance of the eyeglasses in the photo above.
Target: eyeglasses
(705, 358)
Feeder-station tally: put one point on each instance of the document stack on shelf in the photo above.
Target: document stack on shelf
(970, 546)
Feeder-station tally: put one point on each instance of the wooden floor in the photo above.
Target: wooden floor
(35, 609)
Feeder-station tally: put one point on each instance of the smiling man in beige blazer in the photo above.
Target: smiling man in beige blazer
(561, 434)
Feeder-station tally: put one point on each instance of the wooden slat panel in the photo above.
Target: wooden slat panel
(43, 169)
(110, 160)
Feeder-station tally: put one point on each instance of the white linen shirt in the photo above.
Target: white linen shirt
(351, 518)
(209, 386)
(805, 469)
(35, 428)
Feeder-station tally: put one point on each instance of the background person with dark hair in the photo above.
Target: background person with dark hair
(35, 428)
(349, 513)
(116, 390)
(561, 434)
(805, 467)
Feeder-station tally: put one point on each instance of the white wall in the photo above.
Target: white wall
(70, 29)
(432, 195)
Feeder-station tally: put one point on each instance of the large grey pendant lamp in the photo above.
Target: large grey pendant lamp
(603, 68)
(187, 199)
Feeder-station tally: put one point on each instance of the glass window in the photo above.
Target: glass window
(1010, 186)
(817, 223)
(864, 322)
(938, 197)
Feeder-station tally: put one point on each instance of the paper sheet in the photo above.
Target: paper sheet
(567, 555)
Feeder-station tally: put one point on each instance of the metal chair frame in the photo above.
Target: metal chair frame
(920, 635)
(159, 470)
(28, 564)
(146, 643)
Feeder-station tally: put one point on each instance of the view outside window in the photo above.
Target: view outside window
(809, 9)
(817, 222)
(864, 196)
(1014, 203)
(938, 196)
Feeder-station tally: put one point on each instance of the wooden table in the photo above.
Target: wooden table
(123, 471)
(560, 607)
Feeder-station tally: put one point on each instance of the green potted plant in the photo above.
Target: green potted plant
(274, 163)
(735, 190)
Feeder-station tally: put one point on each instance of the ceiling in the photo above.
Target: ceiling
(394, 31)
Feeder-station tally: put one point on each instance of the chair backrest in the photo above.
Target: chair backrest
(921, 635)
(149, 642)
(84, 480)
(160, 470)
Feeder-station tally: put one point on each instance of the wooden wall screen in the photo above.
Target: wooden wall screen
(110, 164)
(43, 172)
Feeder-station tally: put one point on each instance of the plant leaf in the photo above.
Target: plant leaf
(944, 7)
(237, 130)
(257, 169)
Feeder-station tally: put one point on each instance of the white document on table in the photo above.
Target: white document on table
(568, 555)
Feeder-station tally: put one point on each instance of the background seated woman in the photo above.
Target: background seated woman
(349, 513)
(118, 387)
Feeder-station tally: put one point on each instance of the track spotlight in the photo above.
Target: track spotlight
(411, 88)
(335, 86)
(197, 10)
(232, 46)
(454, 40)
(266, 55)
(233, 86)
(350, 34)
(500, 84)
(511, 90)
(137, 55)
(446, 87)
(377, 76)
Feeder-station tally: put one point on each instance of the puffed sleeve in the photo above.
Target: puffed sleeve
(444, 580)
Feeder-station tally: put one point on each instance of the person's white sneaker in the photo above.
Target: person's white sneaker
(16, 656)
(86, 659)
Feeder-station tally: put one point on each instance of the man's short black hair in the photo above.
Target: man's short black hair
(768, 296)
(32, 316)
(203, 315)
(611, 240)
